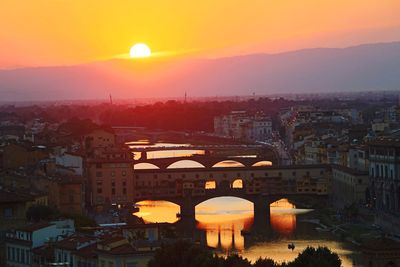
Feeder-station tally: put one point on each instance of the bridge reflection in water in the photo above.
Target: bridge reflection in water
(224, 226)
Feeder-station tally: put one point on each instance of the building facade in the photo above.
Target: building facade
(384, 172)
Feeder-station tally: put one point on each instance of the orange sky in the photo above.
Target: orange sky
(60, 32)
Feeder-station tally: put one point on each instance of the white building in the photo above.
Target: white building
(240, 125)
(20, 242)
(71, 161)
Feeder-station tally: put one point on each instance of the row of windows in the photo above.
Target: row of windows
(155, 176)
(18, 255)
(112, 165)
(381, 171)
(100, 174)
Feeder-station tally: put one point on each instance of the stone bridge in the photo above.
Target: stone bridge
(259, 185)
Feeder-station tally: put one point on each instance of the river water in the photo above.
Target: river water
(225, 221)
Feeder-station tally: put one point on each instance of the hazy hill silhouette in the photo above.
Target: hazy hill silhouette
(358, 68)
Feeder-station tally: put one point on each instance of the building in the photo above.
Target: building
(21, 242)
(69, 249)
(118, 252)
(99, 138)
(14, 204)
(67, 193)
(384, 172)
(23, 155)
(70, 160)
(110, 178)
(240, 125)
(349, 186)
(358, 158)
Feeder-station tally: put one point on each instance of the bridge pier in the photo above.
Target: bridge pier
(261, 222)
(187, 216)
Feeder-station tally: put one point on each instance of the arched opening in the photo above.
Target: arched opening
(145, 166)
(262, 163)
(183, 164)
(210, 185)
(238, 183)
(283, 216)
(223, 219)
(152, 211)
(228, 163)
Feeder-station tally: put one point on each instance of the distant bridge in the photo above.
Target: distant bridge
(203, 161)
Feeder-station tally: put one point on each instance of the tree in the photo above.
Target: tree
(182, 254)
(310, 257)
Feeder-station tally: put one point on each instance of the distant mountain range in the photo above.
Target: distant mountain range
(359, 68)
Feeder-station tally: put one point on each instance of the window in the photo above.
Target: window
(124, 191)
(99, 190)
(98, 165)
(99, 174)
(8, 212)
(123, 173)
(112, 173)
(112, 183)
(112, 191)
(124, 183)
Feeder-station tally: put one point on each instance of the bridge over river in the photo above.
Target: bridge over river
(260, 185)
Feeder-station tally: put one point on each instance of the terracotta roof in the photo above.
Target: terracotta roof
(87, 252)
(34, 226)
(72, 242)
(386, 141)
(44, 251)
(110, 239)
(124, 249)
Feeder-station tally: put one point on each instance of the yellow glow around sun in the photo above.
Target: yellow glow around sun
(140, 50)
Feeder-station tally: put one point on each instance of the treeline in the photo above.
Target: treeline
(193, 116)
(184, 254)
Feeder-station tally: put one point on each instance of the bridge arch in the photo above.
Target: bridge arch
(228, 199)
(145, 166)
(185, 163)
(228, 163)
(262, 163)
(210, 184)
(158, 210)
(237, 183)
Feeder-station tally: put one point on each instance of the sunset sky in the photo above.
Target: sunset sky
(64, 32)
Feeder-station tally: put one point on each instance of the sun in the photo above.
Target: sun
(140, 50)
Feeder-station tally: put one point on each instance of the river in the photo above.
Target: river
(224, 221)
